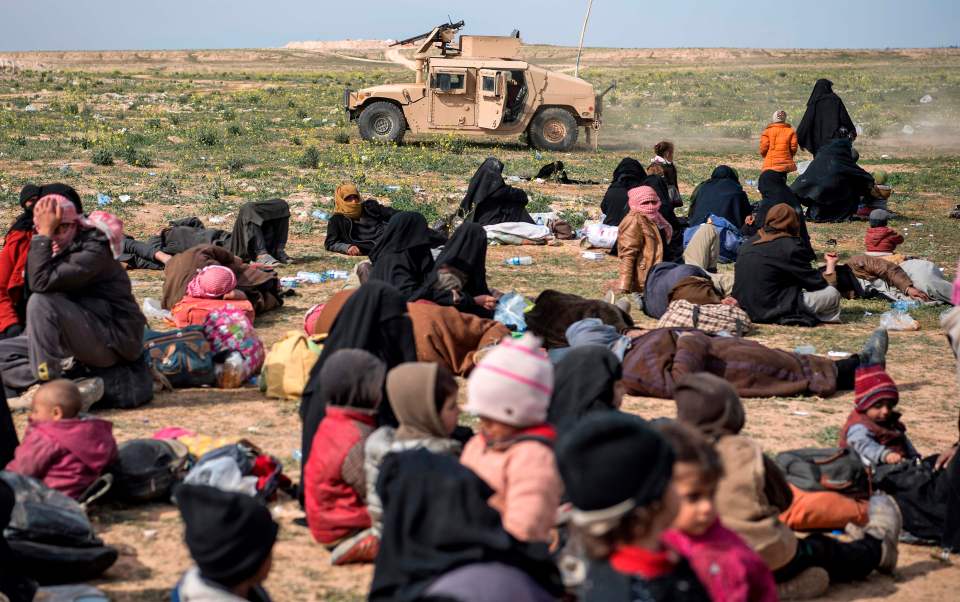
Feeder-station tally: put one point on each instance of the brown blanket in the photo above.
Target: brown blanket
(446, 336)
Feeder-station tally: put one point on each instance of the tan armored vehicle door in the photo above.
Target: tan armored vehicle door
(452, 97)
(491, 97)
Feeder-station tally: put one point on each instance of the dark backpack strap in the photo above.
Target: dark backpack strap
(695, 316)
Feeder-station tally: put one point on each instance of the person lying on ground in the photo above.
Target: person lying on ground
(490, 200)
(355, 226)
(260, 286)
(721, 195)
(513, 452)
(753, 491)
(778, 144)
(774, 281)
(642, 238)
(65, 450)
(259, 235)
(621, 510)
(554, 313)
(443, 540)
(403, 256)
(230, 537)
(81, 311)
(824, 115)
(865, 276)
(459, 278)
(926, 489)
(334, 484)
(657, 359)
(424, 399)
(728, 567)
(13, 257)
(669, 282)
(628, 174)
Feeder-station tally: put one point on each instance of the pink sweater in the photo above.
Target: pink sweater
(525, 480)
(725, 564)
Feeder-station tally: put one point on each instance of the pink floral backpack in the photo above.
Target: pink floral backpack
(231, 330)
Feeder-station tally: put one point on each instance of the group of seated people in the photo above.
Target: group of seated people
(545, 500)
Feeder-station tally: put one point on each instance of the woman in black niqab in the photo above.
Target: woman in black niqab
(374, 319)
(773, 191)
(585, 382)
(402, 256)
(628, 174)
(460, 274)
(824, 116)
(489, 200)
(437, 519)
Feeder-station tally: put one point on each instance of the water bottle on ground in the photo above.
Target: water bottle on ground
(525, 260)
(320, 215)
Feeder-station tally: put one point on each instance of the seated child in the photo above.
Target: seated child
(724, 563)
(510, 391)
(335, 486)
(64, 450)
(881, 240)
(622, 506)
(873, 429)
(230, 537)
(753, 492)
(424, 399)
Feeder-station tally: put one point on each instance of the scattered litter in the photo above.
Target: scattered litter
(297, 455)
(31, 108)
(592, 255)
(392, 188)
(908, 130)
(124, 198)
(253, 429)
(307, 119)
(513, 178)
(867, 313)
(800, 413)
(519, 261)
(151, 173)
(838, 354)
(926, 99)
(805, 350)
(149, 533)
(152, 310)
(321, 277)
(510, 311)
(320, 215)
(289, 282)
(417, 189)
(918, 224)
(102, 199)
(899, 318)
(751, 183)
(885, 157)
(538, 155)
(65, 169)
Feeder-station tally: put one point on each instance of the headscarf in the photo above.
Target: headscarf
(351, 209)
(779, 116)
(402, 256)
(487, 180)
(584, 382)
(405, 230)
(31, 191)
(821, 89)
(824, 116)
(353, 378)
(782, 222)
(436, 518)
(107, 223)
(725, 172)
(774, 190)
(710, 404)
(466, 252)
(212, 282)
(628, 174)
(412, 390)
(646, 201)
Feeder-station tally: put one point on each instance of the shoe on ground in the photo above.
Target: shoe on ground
(811, 583)
(24, 400)
(885, 524)
(359, 549)
(268, 260)
(874, 351)
(282, 257)
(91, 391)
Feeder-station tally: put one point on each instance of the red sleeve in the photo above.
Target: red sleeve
(16, 245)
(35, 455)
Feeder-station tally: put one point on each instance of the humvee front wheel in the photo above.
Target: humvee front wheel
(553, 129)
(382, 122)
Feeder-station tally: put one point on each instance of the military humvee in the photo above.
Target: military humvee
(478, 88)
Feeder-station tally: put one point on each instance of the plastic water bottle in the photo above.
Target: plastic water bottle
(539, 220)
(336, 274)
(102, 199)
(592, 255)
(904, 306)
(805, 350)
(520, 261)
(289, 282)
(312, 277)
(320, 215)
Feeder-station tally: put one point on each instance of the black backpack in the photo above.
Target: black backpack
(125, 386)
(146, 469)
(51, 538)
(826, 469)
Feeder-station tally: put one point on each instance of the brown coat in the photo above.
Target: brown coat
(639, 248)
(868, 267)
(446, 336)
(659, 358)
(261, 288)
(747, 500)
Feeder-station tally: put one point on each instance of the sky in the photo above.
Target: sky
(198, 24)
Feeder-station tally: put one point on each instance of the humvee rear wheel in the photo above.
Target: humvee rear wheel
(553, 130)
(382, 122)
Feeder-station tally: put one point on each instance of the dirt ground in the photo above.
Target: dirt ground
(150, 537)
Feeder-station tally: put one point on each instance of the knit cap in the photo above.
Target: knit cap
(512, 384)
(779, 116)
(611, 463)
(212, 282)
(879, 217)
(873, 385)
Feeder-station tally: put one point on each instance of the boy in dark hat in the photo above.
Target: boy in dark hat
(230, 537)
(621, 511)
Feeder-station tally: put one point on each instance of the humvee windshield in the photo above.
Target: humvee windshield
(446, 82)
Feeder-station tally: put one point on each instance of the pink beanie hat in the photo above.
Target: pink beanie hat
(512, 384)
(212, 282)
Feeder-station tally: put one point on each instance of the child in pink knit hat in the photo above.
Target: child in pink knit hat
(510, 391)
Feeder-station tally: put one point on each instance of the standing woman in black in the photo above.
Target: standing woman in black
(825, 115)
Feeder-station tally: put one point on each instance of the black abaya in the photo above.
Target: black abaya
(363, 233)
(489, 200)
(436, 518)
(825, 115)
(833, 185)
(628, 174)
(774, 190)
(465, 252)
(261, 227)
(402, 257)
(584, 383)
(721, 195)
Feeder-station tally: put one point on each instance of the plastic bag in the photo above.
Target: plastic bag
(600, 236)
(154, 311)
(897, 320)
(510, 310)
(224, 474)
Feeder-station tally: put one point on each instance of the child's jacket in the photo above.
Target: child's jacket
(633, 573)
(872, 441)
(881, 239)
(729, 569)
(523, 474)
(67, 455)
(778, 145)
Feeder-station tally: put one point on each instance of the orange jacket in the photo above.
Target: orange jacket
(778, 145)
